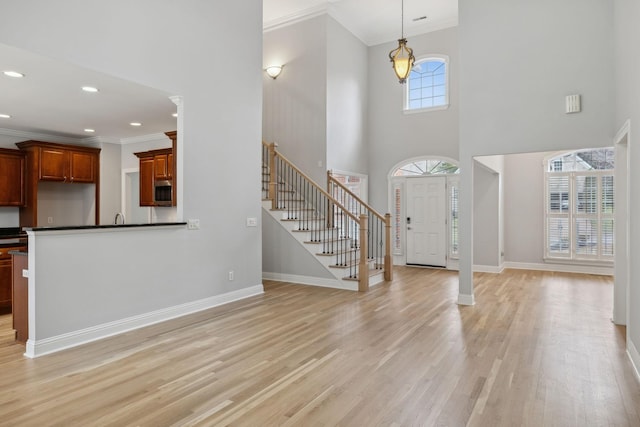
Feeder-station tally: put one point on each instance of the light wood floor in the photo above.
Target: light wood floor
(537, 349)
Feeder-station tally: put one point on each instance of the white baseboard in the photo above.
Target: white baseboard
(36, 348)
(634, 356)
(466, 299)
(488, 268)
(562, 268)
(312, 281)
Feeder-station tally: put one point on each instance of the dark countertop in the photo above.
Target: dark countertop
(104, 226)
(22, 253)
(7, 243)
(11, 233)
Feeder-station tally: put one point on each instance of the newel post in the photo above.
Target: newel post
(388, 261)
(273, 186)
(363, 267)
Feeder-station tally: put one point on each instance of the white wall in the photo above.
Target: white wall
(110, 185)
(524, 208)
(9, 217)
(627, 66)
(175, 47)
(295, 104)
(394, 136)
(487, 218)
(514, 76)
(282, 254)
(347, 99)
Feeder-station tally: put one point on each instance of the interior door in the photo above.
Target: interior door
(426, 221)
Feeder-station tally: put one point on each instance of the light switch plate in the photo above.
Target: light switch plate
(193, 224)
(252, 222)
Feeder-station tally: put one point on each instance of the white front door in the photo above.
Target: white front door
(426, 221)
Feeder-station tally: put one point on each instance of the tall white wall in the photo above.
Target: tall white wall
(110, 185)
(347, 100)
(524, 208)
(627, 66)
(295, 104)
(488, 212)
(395, 136)
(514, 76)
(181, 48)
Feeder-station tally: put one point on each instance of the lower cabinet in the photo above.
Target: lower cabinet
(20, 306)
(5, 275)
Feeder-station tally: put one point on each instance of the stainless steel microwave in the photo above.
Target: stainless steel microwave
(163, 192)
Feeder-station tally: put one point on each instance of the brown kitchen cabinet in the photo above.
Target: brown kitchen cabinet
(5, 275)
(157, 170)
(68, 164)
(12, 174)
(146, 181)
(20, 303)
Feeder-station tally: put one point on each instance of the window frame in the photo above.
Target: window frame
(407, 88)
(568, 208)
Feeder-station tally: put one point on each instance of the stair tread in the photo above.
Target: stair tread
(372, 272)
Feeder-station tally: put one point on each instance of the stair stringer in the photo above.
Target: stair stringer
(298, 238)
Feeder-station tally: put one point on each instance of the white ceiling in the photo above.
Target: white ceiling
(48, 103)
(372, 21)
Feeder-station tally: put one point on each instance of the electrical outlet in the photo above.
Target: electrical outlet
(50, 220)
(252, 222)
(231, 275)
(193, 224)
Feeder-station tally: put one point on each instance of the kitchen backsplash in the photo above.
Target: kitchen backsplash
(9, 217)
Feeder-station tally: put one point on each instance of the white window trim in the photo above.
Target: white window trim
(405, 100)
(572, 258)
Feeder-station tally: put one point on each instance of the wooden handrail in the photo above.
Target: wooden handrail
(315, 184)
(330, 178)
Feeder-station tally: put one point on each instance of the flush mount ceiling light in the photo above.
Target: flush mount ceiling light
(274, 71)
(89, 130)
(5, 116)
(90, 89)
(174, 115)
(135, 124)
(15, 74)
(402, 57)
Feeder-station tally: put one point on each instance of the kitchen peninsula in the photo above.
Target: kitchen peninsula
(77, 298)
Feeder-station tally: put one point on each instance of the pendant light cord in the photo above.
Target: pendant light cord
(402, 17)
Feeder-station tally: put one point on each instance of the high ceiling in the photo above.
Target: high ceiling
(48, 103)
(372, 21)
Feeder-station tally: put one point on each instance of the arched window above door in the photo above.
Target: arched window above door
(426, 167)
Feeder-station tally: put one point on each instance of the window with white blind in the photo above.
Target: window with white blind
(580, 206)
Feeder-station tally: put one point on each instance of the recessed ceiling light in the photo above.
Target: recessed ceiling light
(135, 124)
(90, 130)
(13, 74)
(90, 89)
(5, 116)
(175, 114)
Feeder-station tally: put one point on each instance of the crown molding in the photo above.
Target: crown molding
(41, 136)
(143, 138)
(294, 18)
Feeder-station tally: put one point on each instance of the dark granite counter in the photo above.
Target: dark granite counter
(7, 243)
(105, 226)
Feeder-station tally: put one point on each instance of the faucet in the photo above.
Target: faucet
(119, 215)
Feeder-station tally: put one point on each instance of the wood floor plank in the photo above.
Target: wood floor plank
(537, 349)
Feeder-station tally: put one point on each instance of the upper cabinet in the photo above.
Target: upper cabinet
(47, 161)
(157, 175)
(64, 163)
(12, 173)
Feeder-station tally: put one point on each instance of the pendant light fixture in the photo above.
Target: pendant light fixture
(402, 57)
